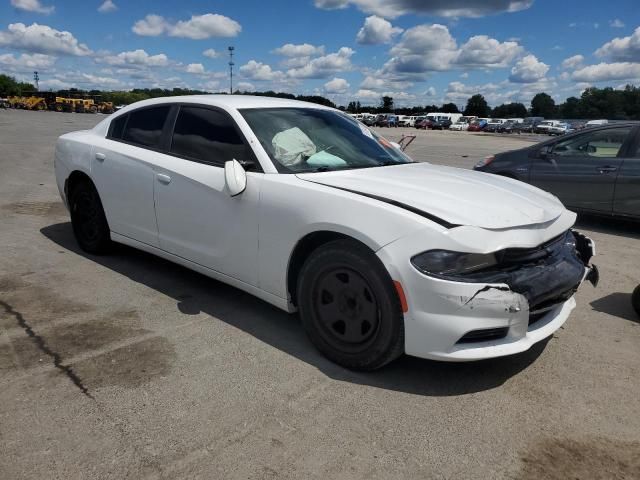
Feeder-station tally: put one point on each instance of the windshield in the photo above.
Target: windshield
(314, 140)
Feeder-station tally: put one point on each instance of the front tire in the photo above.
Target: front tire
(89, 222)
(349, 306)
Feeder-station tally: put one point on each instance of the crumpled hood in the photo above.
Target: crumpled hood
(455, 195)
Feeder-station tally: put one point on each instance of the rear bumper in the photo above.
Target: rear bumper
(443, 313)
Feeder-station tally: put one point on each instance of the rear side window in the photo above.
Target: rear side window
(117, 127)
(207, 136)
(145, 126)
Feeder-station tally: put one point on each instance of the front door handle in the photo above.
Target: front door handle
(162, 178)
(606, 169)
(100, 156)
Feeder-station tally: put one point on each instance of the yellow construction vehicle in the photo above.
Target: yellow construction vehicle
(31, 102)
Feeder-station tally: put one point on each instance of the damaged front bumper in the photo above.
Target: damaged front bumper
(498, 312)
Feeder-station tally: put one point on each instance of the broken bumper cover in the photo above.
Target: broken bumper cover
(455, 320)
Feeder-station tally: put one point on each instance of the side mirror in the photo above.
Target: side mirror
(235, 177)
(545, 152)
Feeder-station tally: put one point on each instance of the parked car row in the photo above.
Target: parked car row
(458, 122)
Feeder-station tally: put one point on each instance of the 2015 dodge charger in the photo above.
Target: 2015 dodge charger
(310, 210)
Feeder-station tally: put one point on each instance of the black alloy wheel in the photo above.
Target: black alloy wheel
(349, 306)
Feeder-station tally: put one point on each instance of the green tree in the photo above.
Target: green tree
(571, 108)
(9, 86)
(477, 105)
(510, 110)
(386, 104)
(449, 108)
(542, 105)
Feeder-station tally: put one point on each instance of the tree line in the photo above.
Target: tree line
(609, 103)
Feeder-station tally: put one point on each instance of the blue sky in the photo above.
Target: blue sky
(419, 52)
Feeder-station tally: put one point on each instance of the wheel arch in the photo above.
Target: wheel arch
(74, 178)
(305, 248)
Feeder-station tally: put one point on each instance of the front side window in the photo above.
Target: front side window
(601, 143)
(307, 140)
(117, 127)
(144, 127)
(208, 136)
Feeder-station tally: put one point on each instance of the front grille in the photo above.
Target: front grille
(520, 256)
(541, 309)
(484, 335)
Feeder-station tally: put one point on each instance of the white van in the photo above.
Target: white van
(436, 116)
(596, 123)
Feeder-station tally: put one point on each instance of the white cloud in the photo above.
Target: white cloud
(337, 85)
(136, 59)
(54, 84)
(430, 92)
(528, 70)
(32, 6)
(322, 67)
(380, 80)
(150, 26)
(482, 51)
(211, 85)
(364, 93)
(196, 68)
(622, 49)
(616, 23)
(42, 39)
(606, 72)
(572, 62)
(300, 50)
(198, 27)
(376, 30)
(422, 49)
(295, 62)
(211, 53)
(432, 48)
(26, 61)
(260, 71)
(246, 87)
(107, 6)
(444, 8)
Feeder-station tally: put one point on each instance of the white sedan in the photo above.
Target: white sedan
(310, 210)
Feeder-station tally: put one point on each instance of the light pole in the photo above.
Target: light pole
(231, 49)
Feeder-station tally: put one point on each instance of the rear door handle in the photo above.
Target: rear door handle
(606, 169)
(162, 178)
(100, 156)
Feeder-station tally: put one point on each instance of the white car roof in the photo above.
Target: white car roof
(230, 102)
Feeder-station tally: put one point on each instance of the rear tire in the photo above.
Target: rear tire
(89, 222)
(349, 306)
(635, 300)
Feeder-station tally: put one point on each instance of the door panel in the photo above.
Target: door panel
(581, 170)
(199, 220)
(627, 196)
(124, 177)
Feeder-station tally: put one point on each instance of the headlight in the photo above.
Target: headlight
(485, 161)
(444, 262)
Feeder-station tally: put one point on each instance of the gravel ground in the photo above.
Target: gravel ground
(127, 366)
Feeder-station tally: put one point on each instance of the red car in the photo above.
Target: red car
(476, 127)
(423, 123)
